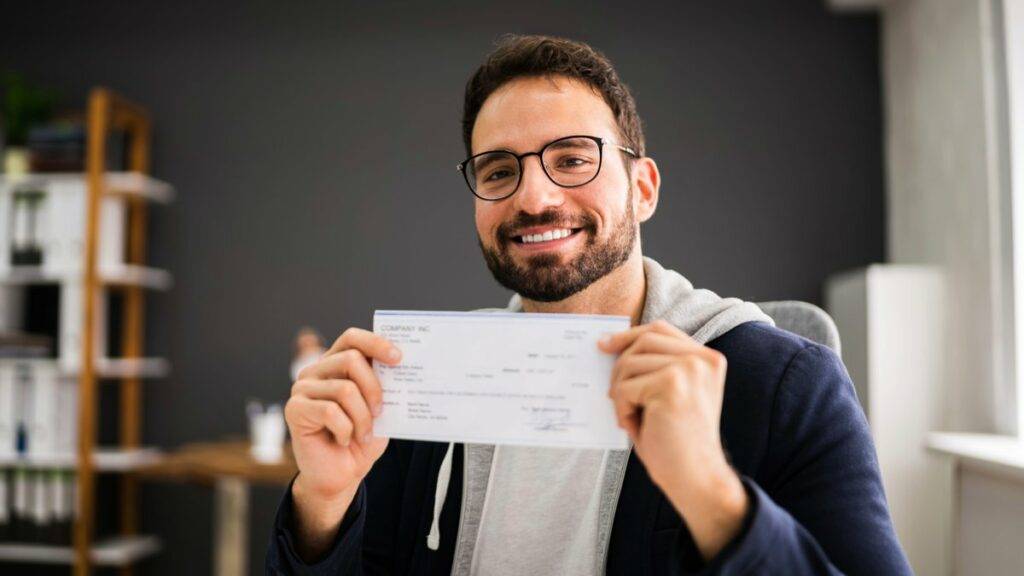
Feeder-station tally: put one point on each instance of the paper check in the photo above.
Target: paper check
(499, 378)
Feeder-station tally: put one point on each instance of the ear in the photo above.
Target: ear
(646, 182)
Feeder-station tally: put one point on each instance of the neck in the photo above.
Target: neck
(621, 293)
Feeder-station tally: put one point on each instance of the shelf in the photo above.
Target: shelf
(132, 368)
(108, 368)
(995, 453)
(135, 184)
(104, 460)
(127, 368)
(132, 275)
(117, 184)
(116, 551)
(121, 275)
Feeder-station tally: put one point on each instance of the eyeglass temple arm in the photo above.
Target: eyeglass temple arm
(626, 150)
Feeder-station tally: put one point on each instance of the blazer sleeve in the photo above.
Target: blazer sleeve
(818, 506)
(343, 557)
(360, 547)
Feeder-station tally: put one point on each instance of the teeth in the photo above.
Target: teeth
(546, 236)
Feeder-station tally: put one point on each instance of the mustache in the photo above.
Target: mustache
(546, 218)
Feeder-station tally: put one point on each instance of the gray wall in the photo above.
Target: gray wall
(314, 147)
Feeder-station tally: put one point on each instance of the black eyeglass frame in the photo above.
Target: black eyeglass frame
(601, 142)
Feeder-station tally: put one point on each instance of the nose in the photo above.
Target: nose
(537, 192)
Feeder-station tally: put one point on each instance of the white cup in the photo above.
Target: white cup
(266, 431)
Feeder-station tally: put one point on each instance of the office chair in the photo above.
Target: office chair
(804, 319)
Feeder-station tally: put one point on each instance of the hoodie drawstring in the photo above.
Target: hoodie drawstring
(443, 476)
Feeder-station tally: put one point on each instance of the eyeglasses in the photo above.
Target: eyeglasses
(569, 162)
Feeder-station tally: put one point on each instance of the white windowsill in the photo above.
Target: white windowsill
(1003, 455)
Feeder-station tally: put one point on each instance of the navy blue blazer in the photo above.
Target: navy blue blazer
(791, 426)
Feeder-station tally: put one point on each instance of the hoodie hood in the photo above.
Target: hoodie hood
(699, 312)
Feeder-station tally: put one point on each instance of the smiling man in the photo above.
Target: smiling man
(749, 451)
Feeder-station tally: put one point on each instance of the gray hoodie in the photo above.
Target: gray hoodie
(698, 312)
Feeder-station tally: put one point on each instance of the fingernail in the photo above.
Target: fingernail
(605, 341)
(377, 408)
(394, 355)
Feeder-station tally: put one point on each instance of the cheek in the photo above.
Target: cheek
(602, 205)
(605, 198)
(487, 219)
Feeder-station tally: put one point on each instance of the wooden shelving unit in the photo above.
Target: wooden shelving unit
(107, 112)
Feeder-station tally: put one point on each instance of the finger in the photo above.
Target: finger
(654, 343)
(640, 391)
(360, 372)
(348, 365)
(629, 396)
(352, 365)
(370, 344)
(629, 365)
(628, 415)
(347, 394)
(632, 397)
(631, 424)
(614, 343)
(358, 412)
(309, 416)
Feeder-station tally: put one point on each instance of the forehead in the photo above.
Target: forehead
(527, 113)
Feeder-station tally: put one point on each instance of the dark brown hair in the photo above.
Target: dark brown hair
(538, 56)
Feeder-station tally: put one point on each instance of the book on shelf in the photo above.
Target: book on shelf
(37, 402)
(42, 224)
(18, 352)
(37, 506)
(58, 147)
(37, 415)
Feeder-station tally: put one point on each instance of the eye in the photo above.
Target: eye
(572, 162)
(498, 175)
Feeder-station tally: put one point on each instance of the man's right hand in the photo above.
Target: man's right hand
(330, 417)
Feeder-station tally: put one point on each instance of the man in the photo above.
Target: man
(749, 451)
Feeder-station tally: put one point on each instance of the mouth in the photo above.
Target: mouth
(544, 238)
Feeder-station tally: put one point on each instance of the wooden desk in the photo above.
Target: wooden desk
(230, 469)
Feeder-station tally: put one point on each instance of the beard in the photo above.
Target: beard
(544, 278)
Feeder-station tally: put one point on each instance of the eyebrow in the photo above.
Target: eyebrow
(570, 143)
(490, 158)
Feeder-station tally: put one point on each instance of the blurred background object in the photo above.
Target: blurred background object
(72, 271)
(24, 107)
(266, 432)
(309, 346)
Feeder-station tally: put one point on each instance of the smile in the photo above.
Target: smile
(556, 234)
(544, 238)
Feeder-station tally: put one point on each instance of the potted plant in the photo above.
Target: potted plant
(21, 107)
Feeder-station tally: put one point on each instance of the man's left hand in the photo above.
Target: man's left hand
(667, 390)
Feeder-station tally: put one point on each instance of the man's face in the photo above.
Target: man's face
(600, 217)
